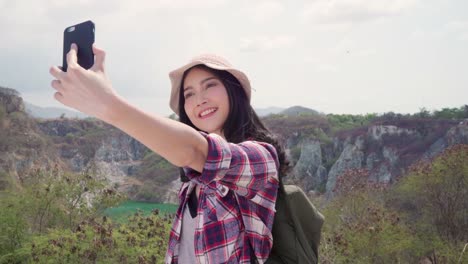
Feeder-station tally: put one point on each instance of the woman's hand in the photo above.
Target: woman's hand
(88, 91)
(91, 92)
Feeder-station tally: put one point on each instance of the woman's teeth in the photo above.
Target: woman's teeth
(207, 111)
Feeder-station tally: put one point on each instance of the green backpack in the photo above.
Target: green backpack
(296, 228)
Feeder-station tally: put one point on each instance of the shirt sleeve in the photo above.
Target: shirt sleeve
(246, 168)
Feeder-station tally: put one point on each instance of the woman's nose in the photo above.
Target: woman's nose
(201, 99)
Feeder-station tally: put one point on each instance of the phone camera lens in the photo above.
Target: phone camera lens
(71, 29)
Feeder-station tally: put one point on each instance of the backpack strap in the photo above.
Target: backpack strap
(305, 219)
(281, 184)
(281, 189)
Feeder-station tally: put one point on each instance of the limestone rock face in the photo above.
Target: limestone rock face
(376, 132)
(352, 157)
(455, 135)
(120, 148)
(309, 169)
(59, 127)
(384, 151)
(171, 196)
(115, 155)
(21, 146)
(11, 100)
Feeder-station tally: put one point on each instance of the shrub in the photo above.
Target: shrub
(360, 228)
(142, 239)
(433, 197)
(50, 199)
(3, 113)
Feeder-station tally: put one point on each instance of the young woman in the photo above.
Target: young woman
(231, 163)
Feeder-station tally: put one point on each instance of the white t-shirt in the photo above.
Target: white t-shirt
(187, 237)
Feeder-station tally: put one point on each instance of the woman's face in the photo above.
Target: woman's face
(206, 100)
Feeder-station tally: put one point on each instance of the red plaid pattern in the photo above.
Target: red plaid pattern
(236, 206)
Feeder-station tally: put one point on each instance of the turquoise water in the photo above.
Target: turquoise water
(128, 208)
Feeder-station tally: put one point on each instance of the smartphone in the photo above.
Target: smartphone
(83, 36)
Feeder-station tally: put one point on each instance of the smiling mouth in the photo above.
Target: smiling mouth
(207, 112)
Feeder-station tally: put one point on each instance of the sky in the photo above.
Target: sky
(334, 56)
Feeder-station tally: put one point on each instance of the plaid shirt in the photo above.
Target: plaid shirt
(236, 204)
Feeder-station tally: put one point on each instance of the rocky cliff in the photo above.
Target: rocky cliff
(318, 152)
(22, 146)
(11, 100)
(113, 153)
(385, 148)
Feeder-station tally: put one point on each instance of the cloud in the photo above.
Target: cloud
(265, 43)
(185, 4)
(457, 25)
(263, 11)
(24, 21)
(352, 11)
(136, 9)
(450, 30)
(46, 11)
(351, 47)
(459, 28)
(325, 68)
(146, 39)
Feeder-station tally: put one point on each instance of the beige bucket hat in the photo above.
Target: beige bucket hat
(211, 61)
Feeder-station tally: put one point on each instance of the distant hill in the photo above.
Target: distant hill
(290, 111)
(56, 112)
(50, 112)
(299, 111)
(320, 147)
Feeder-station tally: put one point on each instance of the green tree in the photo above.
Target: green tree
(3, 114)
(141, 240)
(360, 228)
(452, 113)
(433, 197)
(13, 229)
(60, 199)
(423, 113)
(50, 199)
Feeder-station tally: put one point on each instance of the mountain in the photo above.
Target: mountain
(298, 111)
(56, 112)
(319, 147)
(51, 112)
(291, 111)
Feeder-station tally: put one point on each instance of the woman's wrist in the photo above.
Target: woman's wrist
(114, 110)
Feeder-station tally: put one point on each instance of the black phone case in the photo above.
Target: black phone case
(82, 35)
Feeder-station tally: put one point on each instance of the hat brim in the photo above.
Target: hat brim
(176, 80)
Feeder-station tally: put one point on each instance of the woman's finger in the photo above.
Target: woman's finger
(72, 59)
(57, 85)
(57, 72)
(99, 58)
(59, 97)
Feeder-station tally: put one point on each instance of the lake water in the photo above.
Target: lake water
(128, 208)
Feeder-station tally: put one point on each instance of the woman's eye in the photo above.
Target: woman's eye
(187, 95)
(210, 85)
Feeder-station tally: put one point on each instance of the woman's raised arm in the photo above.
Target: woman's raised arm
(91, 92)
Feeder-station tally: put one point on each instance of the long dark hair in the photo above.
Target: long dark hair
(242, 122)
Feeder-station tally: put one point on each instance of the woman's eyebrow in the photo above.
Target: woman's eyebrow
(207, 79)
(201, 83)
